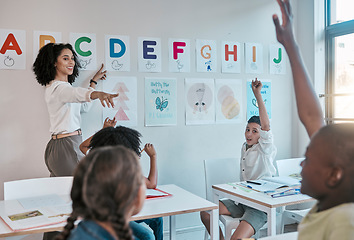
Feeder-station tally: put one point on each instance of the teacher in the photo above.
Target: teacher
(56, 68)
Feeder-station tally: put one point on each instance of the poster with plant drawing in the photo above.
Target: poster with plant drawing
(125, 109)
(199, 103)
(228, 101)
(160, 101)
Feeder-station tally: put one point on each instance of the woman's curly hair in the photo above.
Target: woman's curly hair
(44, 65)
(106, 184)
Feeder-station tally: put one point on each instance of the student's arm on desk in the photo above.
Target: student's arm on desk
(151, 180)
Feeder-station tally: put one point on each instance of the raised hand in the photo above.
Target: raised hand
(284, 31)
(109, 123)
(256, 86)
(100, 75)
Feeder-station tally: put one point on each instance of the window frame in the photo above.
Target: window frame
(331, 32)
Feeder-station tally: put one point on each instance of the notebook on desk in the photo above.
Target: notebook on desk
(156, 193)
(28, 219)
(274, 186)
(37, 212)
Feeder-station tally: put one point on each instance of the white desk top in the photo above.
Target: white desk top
(262, 198)
(180, 202)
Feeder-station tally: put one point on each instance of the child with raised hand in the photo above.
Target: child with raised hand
(130, 138)
(257, 157)
(108, 188)
(328, 169)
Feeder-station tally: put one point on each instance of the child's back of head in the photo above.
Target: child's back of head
(107, 188)
(119, 135)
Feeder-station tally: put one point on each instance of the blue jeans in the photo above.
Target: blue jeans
(142, 233)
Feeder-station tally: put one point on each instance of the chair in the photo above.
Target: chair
(219, 171)
(36, 187)
(287, 167)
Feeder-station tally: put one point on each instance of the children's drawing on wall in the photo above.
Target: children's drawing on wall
(228, 103)
(200, 108)
(179, 55)
(277, 59)
(206, 55)
(84, 45)
(117, 53)
(12, 49)
(41, 38)
(254, 57)
(252, 105)
(149, 54)
(125, 109)
(231, 57)
(160, 101)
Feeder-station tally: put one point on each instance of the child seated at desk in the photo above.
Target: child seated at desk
(257, 157)
(130, 138)
(108, 188)
(328, 169)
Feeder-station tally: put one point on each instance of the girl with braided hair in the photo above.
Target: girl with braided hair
(108, 188)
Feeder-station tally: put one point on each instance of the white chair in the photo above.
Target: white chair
(294, 213)
(218, 171)
(36, 187)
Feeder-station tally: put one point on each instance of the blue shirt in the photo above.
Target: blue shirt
(89, 230)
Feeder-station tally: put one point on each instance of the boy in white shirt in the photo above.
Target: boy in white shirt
(257, 157)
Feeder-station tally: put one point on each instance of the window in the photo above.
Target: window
(340, 61)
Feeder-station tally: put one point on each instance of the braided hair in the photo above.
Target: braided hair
(106, 183)
(119, 135)
(44, 65)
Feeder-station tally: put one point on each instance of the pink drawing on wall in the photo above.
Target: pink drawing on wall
(120, 102)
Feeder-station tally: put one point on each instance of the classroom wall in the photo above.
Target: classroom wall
(181, 149)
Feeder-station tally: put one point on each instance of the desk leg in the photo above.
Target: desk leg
(172, 227)
(272, 220)
(281, 230)
(214, 224)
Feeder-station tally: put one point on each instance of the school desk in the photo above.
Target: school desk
(258, 201)
(180, 202)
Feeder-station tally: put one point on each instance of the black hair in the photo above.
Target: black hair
(44, 65)
(119, 135)
(106, 184)
(255, 119)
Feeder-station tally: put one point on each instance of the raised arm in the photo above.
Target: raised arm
(309, 109)
(151, 180)
(263, 115)
(84, 146)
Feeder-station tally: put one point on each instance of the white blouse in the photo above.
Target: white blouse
(258, 161)
(64, 104)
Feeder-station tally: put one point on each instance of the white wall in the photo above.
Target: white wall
(181, 149)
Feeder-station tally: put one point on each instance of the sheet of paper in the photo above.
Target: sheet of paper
(155, 193)
(41, 201)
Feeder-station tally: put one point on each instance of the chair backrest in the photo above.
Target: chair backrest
(289, 166)
(37, 187)
(219, 171)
